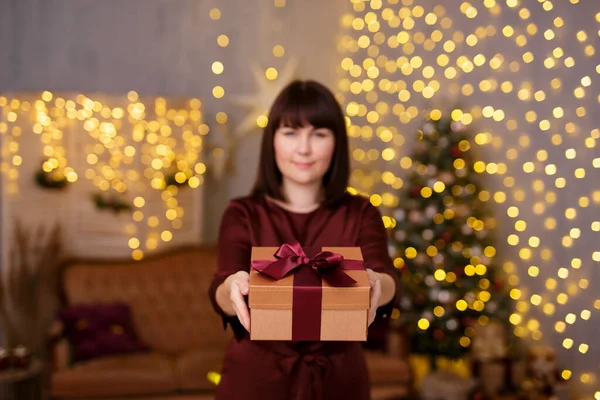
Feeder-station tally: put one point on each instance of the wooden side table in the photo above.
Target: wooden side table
(22, 384)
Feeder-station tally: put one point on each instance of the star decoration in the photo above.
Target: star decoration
(260, 102)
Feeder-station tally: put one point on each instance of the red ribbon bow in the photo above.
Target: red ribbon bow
(326, 264)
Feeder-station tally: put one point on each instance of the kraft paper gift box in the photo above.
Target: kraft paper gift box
(308, 294)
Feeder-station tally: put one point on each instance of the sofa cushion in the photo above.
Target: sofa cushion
(193, 367)
(385, 369)
(97, 330)
(121, 375)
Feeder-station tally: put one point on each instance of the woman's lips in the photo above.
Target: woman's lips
(301, 165)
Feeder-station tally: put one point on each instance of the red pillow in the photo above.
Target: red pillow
(100, 330)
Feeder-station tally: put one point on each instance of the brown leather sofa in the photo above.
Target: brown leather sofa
(167, 295)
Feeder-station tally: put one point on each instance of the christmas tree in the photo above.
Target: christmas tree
(444, 243)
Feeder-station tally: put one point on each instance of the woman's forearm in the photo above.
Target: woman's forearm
(224, 299)
(388, 288)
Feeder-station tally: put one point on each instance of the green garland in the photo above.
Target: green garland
(170, 180)
(50, 180)
(111, 203)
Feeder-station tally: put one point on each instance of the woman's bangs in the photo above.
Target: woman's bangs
(309, 109)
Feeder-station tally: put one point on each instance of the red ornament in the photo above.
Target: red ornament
(498, 284)
(438, 334)
(459, 271)
(455, 152)
(446, 236)
(416, 190)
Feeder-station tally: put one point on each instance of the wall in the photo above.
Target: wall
(167, 48)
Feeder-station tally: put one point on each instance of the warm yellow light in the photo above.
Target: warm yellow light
(71, 176)
(586, 314)
(218, 92)
(217, 67)
(562, 298)
(137, 254)
(440, 275)
(166, 236)
(223, 40)
(515, 319)
(215, 14)
(515, 294)
(134, 243)
(533, 271)
(262, 121)
(139, 202)
(271, 73)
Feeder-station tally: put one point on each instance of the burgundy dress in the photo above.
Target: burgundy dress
(268, 370)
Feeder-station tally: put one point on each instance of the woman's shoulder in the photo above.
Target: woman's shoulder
(247, 203)
(356, 202)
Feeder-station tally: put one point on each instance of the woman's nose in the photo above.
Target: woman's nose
(304, 145)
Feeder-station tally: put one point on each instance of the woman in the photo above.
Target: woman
(300, 194)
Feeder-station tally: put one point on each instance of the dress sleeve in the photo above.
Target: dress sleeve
(373, 241)
(233, 255)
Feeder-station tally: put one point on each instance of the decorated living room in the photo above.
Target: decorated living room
(299, 200)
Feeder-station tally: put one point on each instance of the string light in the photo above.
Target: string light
(217, 66)
(166, 141)
(49, 126)
(10, 152)
(399, 57)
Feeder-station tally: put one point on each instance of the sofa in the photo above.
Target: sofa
(169, 307)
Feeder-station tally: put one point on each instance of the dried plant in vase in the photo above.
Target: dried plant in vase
(29, 285)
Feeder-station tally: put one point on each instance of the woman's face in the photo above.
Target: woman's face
(303, 155)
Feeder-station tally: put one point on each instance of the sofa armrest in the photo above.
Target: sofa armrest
(58, 347)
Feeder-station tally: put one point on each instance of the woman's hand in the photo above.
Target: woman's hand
(238, 285)
(375, 283)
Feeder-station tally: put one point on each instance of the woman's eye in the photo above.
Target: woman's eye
(320, 134)
(288, 133)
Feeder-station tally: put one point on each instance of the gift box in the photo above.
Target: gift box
(446, 385)
(308, 294)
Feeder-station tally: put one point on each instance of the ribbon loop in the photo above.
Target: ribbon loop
(326, 264)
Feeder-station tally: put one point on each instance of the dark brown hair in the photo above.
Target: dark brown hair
(299, 104)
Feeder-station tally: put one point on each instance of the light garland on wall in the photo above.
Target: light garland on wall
(11, 159)
(160, 153)
(49, 125)
(135, 149)
(400, 57)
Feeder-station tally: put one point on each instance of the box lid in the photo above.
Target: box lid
(266, 292)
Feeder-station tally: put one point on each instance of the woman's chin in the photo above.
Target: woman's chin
(304, 180)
